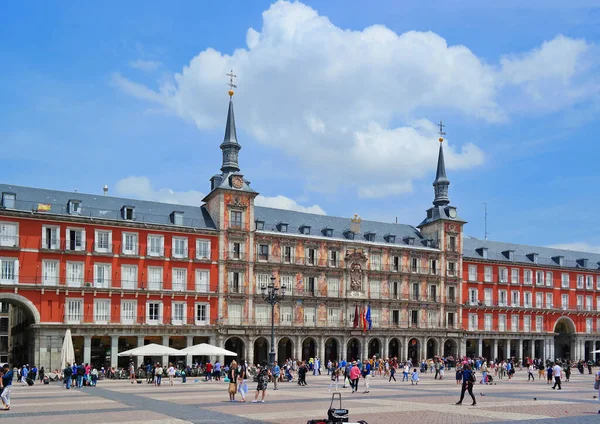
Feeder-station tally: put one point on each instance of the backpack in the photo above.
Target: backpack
(472, 378)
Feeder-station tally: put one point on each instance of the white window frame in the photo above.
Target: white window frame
(81, 247)
(488, 274)
(129, 279)
(73, 311)
(549, 279)
(472, 272)
(473, 322)
(9, 234)
(565, 280)
(203, 247)
(75, 278)
(47, 278)
(375, 289)
(589, 325)
(128, 312)
(130, 250)
(539, 277)
(202, 280)
(179, 247)
(564, 301)
(487, 322)
(580, 281)
(539, 300)
(527, 323)
(539, 323)
(502, 298)
(235, 314)
(152, 273)
(514, 275)
(179, 320)
(376, 261)
(286, 313)
(333, 287)
(99, 245)
(488, 297)
(527, 277)
(288, 281)
(514, 323)
(503, 275)
(101, 311)
(102, 275)
(155, 246)
(149, 317)
(515, 303)
(550, 297)
(527, 300)
(473, 296)
(179, 279)
(588, 303)
(333, 317)
(310, 311)
(54, 240)
(206, 313)
(262, 278)
(502, 322)
(261, 314)
(9, 274)
(589, 282)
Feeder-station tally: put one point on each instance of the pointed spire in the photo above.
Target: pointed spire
(230, 145)
(441, 182)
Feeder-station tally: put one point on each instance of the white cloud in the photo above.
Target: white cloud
(145, 65)
(354, 106)
(141, 188)
(578, 247)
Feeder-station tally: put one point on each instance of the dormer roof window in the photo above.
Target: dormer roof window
(282, 227)
(509, 255)
(128, 213)
(9, 200)
(560, 260)
(177, 218)
(533, 257)
(483, 251)
(370, 236)
(409, 240)
(328, 232)
(74, 207)
(349, 234)
(260, 225)
(305, 229)
(390, 238)
(583, 262)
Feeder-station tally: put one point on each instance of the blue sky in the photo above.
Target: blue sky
(336, 105)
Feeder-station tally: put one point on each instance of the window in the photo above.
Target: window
(414, 265)
(588, 303)
(527, 324)
(514, 323)
(598, 282)
(598, 304)
(9, 271)
(549, 279)
(309, 315)
(288, 255)
(74, 311)
(502, 299)
(589, 325)
(450, 321)
(328, 232)
(487, 322)
(128, 213)
(375, 318)
(305, 229)
(503, 275)
(415, 292)
(203, 249)
(102, 311)
(262, 280)
(177, 218)
(589, 282)
(565, 301)
(515, 299)
(75, 274)
(413, 318)
(311, 256)
(234, 314)
(472, 272)
(309, 285)
(263, 252)
(579, 281)
(154, 312)
(433, 267)
(487, 274)
(473, 297)
(452, 269)
(288, 281)
(235, 282)
(50, 273)
(260, 225)
(527, 299)
(333, 258)
(179, 282)
(50, 237)
(128, 312)
(333, 287)
(283, 227)
(376, 261)
(74, 207)
(514, 276)
(75, 239)
(202, 281)
(564, 278)
(180, 247)
(102, 276)
(539, 324)
(178, 313)
(433, 291)
(539, 300)
(539, 278)
(9, 200)
(236, 219)
(156, 245)
(333, 316)
(374, 286)
(203, 313)
(502, 322)
(473, 324)
(395, 317)
(285, 315)
(261, 314)
(549, 303)
(130, 244)
(451, 298)
(103, 241)
(452, 244)
(129, 277)
(155, 277)
(527, 277)
(579, 303)
(237, 250)
(487, 297)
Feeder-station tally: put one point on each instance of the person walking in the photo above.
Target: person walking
(243, 380)
(530, 373)
(354, 375)
(7, 378)
(67, 373)
(159, 374)
(42, 374)
(80, 375)
(335, 376)
(217, 371)
(405, 372)
(468, 377)
(94, 376)
(483, 369)
(556, 371)
(459, 376)
(366, 373)
(232, 375)
(171, 373)
(392, 373)
(263, 382)
(414, 379)
(24, 375)
(275, 372)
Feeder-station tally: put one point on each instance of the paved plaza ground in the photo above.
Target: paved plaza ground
(199, 402)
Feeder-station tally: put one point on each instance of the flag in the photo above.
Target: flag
(368, 317)
(43, 207)
(364, 319)
(355, 316)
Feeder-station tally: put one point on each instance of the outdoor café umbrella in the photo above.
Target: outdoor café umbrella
(152, 349)
(205, 349)
(596, 351)
(67, 353)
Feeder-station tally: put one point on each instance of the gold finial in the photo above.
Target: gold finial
(231, 85)
(356, 218)
(441, 132)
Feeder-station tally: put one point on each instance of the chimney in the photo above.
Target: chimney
(355, 224)
(105, 189)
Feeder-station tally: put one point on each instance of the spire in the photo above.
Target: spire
(230, 145)
(441, 183)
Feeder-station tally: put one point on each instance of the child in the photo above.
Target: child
(549, 374)
(415, 377)
(459, 375)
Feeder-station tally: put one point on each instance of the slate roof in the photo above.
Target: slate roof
(523, 254)
(271, 217)
(106, 207)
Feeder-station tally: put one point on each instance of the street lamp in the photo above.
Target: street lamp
(272, 295)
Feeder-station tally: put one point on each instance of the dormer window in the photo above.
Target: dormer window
(370, 236)
(128, 213)
(390, 238)
(509, 255)
(582, 262)
(409, 240)
(282, 227)
(74, 207)
(9, 200)
(305, 229)
(260, 225)
(177, 218)
(328, 232)
(560, 260)
(349, 235)
(483, 251)
(533, 257)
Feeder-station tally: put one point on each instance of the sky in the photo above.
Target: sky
(336, 105)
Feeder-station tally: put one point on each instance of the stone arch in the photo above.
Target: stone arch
(285, 349)
(309, 348)
(565, 325)
(394, 347)
(261, 350)
(450, 348)
(238, 345)
(353, 349)
(23, 303)
(564, 336)
(433, 347)
(414, 350)
(332, 349)
(374, 348)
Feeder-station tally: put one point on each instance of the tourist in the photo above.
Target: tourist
(354, 375)
(67, 373)
(459, 376)
(405, 372)
(392, 372)
(42, 374)
(94, 376)
(442, 370)
(556, 371)
(243, 380)
(366, 373)
(232, 375)
(208, 371)
(34, 371)
(414, 379)
(217, 371)
(263, 381)
(302, 370)
(24, 374)
(549, 372)
(468, 378)
(483, 368)
(335, 375)
(80, 375)
(158, 374)
(7, 378)
(149, 373)
(171, 373)
(276, 373)
(530, 373)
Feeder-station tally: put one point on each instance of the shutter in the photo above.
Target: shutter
(44, 237)
(208, 247)
(147, 312)
(110, 241)
(185, 308)
(16, 273)
(67, 238)
(162, 246)
(160, 312)
(95, 240)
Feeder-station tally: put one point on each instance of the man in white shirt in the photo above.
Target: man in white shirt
(556, 370)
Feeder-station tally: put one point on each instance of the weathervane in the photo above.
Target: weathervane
(231, 85)
(441, 132)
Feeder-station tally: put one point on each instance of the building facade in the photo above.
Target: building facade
(121, 273)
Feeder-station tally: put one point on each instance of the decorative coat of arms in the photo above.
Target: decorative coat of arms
(355, 262)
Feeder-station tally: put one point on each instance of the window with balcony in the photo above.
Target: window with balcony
(579, 303)
(514, 276)
(9, 271)
(539, 300)
(588, 303)
(502, 298)
(598, 282)
(515, 299)
(549, 303)
(539, 324)
(235, 282)
(473, 322)
(598, 304)
(309, 316)
(180, 247)
(156, 246)
(334, 258)
(128, 312)
(202, 314)
(565, 302)
(527, 300)
(473, 297)
(178, 313)
(549, 279)
(237, 250)
(451, 298)
(234, 313)
(236, 219)
(289, 282)
(333, 287)
(514, 322)
(285, 315)
(75, 240)
(395, 317)
(376, 261)
(203, 249)
(502, 322)
(487, 297)
(487, 322)
(202, 280)
(589, 282)
(130, 244)
(311, 256)
(527, 324)
(154, 312)
(333, 317)
(414, 265)
(539, 278)
(101, 311)
(487, 274)
(580, 280)
(564, 278)
(155, 278)
(415, 291)
(527, 277)
(472, 272)
(589, 325)
(503, 275)
(261, 314)
(262, 280)
(103, 241)
(433, 293)
(450, 320)
(75, 274)
(433, 267)
(396, 264)
(50, 238)
(452, 244)
(374, 288)
(179, 282)
(263, 252)
(102, 276)
(74, 311)
(413, 317)
(129, 277)
(50, 272)
(452, 269)
(309, 286)
(288, 255)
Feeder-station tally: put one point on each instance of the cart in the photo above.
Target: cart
(335, 415)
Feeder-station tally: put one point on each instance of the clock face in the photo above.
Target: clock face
(452, 213)
(237, 181)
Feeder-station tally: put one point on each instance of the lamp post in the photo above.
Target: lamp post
(272, 295)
